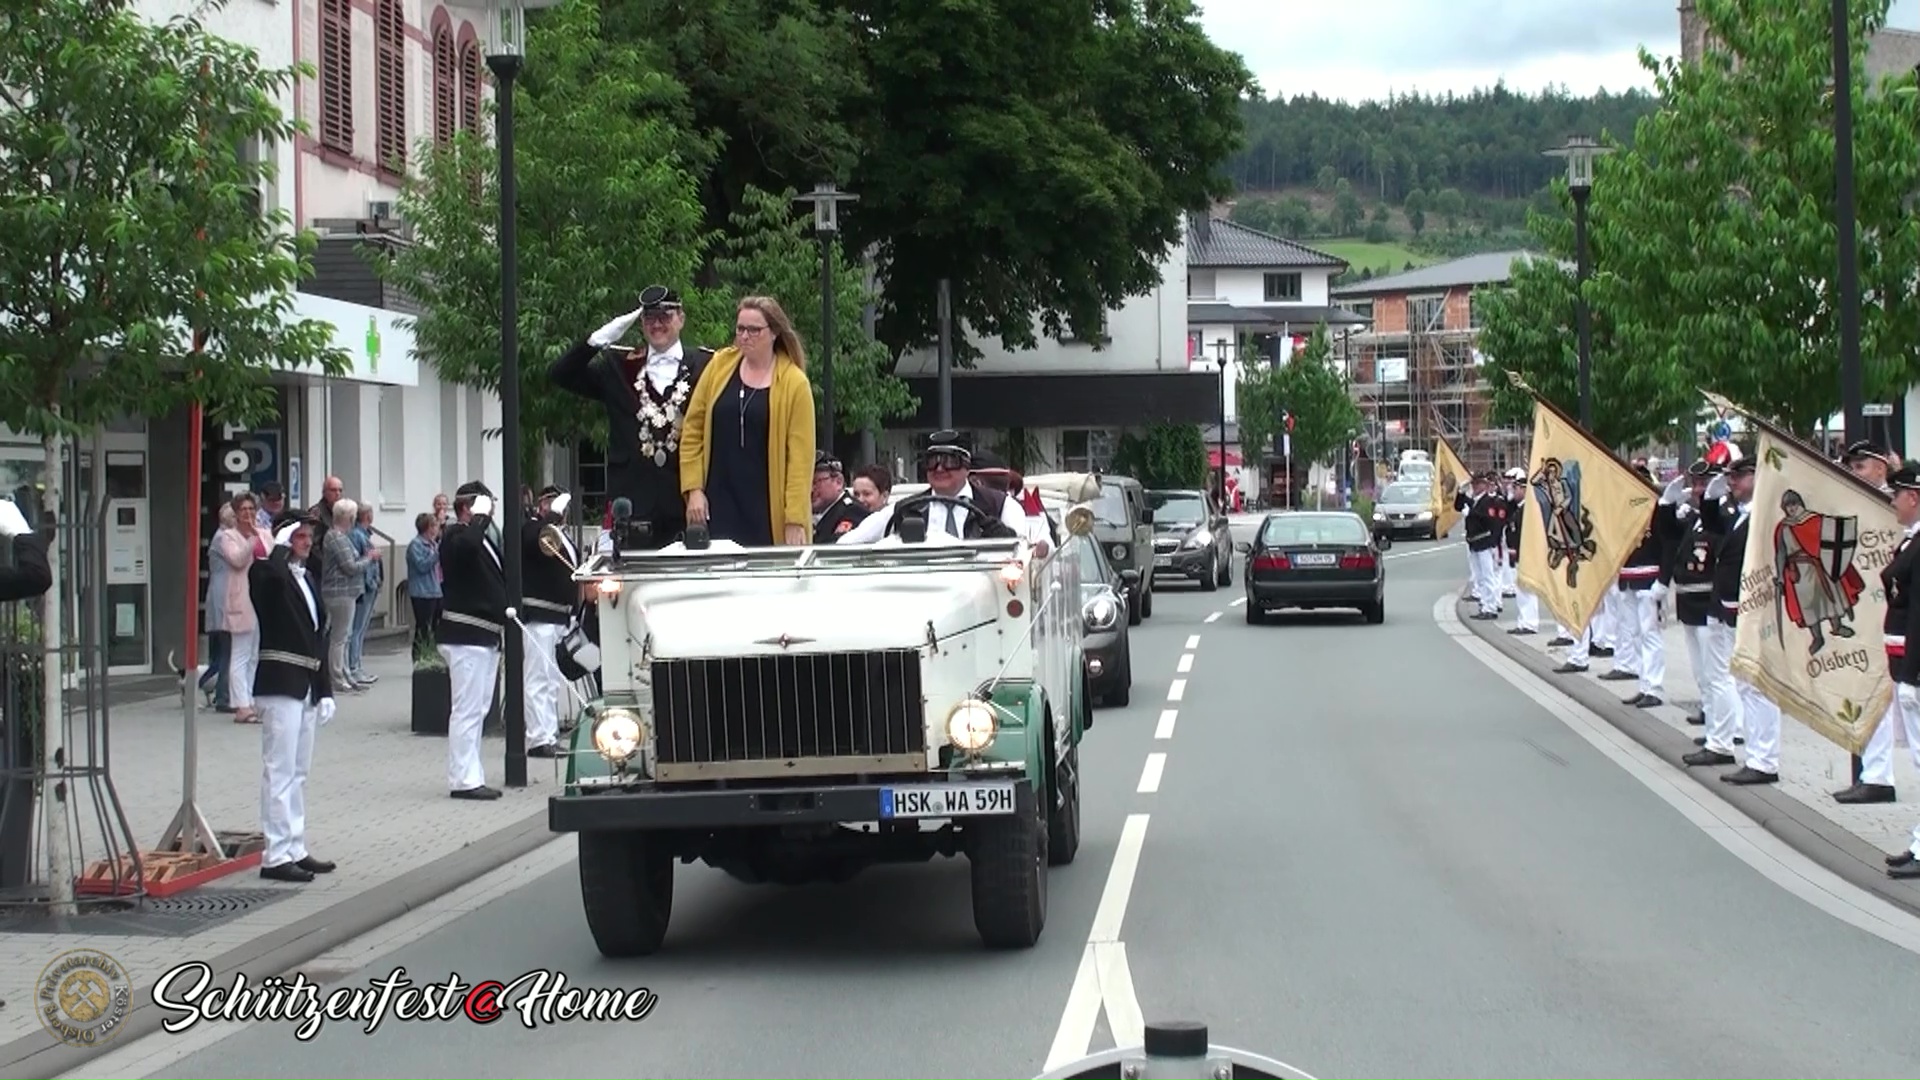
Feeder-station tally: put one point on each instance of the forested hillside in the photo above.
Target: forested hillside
(1415, 178)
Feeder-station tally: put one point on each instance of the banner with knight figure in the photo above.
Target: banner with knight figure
(1811, 603)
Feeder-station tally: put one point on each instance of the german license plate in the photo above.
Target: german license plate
(1162, 560)
(946, 800)
(1317, 560)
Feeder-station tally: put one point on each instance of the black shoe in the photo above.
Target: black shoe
(1483, 616)
(1697, 719)
(1701, 740)
(315, 866)
(1865, 793)
(544, 750)
(1648, 701)
(1521, 631)
(482, 792)
(1903, 858)
(1570, 669)
(1616, 675)
(286, 871)
(1747, 775)
(1904, 870)
(1600, 651)
(1706, 757)
(1559, 643)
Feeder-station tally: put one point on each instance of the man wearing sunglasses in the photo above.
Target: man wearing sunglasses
(644, 390)
(948, 462)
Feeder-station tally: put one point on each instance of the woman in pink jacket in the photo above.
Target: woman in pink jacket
(238, 543)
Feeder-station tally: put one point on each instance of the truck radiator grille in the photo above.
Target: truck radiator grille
(761, 708)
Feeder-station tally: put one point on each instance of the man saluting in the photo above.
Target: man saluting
(645, 393)
(470, 633)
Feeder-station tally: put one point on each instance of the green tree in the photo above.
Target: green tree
(1450, 204)
(1314, 391)
(1347, 212)
(772, 252)
(608, 204)
(139, 272)
(1164, 456)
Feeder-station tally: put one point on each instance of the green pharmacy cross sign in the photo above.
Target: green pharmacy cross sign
(373, 344)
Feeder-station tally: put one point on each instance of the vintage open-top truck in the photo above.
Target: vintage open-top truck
(796, 714)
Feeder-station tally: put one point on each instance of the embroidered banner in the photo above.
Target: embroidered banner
(1586, 512)
(1448, 475)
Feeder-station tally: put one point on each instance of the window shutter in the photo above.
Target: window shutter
(446, 91)
(390, 83)
(470, 87)
(336, 75)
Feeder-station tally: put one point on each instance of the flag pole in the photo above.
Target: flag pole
(1561, 414)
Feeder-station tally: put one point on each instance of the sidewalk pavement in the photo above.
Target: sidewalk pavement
(1849, 840)
(377, 805)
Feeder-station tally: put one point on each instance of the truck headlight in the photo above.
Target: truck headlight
(616, 734)
(971, 726)
(1101, 613)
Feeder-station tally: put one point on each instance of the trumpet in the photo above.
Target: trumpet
(553, 545)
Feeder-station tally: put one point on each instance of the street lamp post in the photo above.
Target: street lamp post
(1580, 152)
(1852, 382)
(1220, 350)
(826, 199)
(506, 49)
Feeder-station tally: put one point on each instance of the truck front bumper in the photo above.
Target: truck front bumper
(625, 809)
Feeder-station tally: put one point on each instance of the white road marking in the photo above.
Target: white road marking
(1193, 641)
(1177, 690)
(1103, 975)
(1211, 618)
(1424, 551)
(1165, 728)
(1150, 775)
(1186, 663)
(153, 1053)
(1745, 838)
(1238, 602)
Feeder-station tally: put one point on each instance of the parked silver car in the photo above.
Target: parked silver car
(1405, 508)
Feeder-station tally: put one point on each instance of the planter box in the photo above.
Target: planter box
(433, 705)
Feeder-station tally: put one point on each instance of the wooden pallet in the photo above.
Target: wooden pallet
(165, 873)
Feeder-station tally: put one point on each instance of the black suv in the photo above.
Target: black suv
(1123, 524)
(1190, 538)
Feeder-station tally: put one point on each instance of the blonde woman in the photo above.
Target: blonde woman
(746, 452)
(236, 546)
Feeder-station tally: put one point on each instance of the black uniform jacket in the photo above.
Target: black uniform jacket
(983, 525)
(1901, 579)
(1486, 519)
(1516, 513)
(293, 635)
(600, 376)
(1691, 543)
(1646, 564)
(473, 586)
(29, 574)
(1729, 558)
(842, 514)
(548, 585)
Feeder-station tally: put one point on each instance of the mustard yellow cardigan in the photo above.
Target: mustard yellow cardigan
(789, 438)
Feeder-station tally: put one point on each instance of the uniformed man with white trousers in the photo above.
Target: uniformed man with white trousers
(1526, 604)
(1901, 579)
(1870, 463)
(471, 625)
(293, 692)
(1759, 715)
(547, 608)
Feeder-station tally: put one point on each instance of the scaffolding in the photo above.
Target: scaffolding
(1442, 396)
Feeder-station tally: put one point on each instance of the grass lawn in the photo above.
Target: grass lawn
(1362, 255)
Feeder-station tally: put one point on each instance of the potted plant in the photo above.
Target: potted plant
(432, 688)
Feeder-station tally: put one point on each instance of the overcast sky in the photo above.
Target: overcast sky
(1363, 49)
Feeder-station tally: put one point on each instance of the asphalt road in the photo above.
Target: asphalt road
(1363, 853)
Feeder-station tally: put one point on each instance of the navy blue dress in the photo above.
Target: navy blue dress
(737, 486)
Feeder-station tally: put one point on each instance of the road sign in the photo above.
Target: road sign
(1876, 409)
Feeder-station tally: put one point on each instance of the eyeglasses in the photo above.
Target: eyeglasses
(945, 461)
(748, 331)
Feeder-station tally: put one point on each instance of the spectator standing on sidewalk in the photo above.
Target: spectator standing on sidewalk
(343, 577)
(214, 682)
(237, 546)
(365, 546)
(273, 503)
(423, 576)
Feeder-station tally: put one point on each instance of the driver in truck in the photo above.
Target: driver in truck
(950, 502)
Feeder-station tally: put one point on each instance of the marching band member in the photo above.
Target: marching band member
(470, 628)
(1759, 715)
(548, 560)
(1901, 578)
(1526, 604)
(1508, 560)
(293, 693)
(645, 393)
(1486, 525)
(1697, 528)
(835, 510)
(1640, 596)
(1870, 463)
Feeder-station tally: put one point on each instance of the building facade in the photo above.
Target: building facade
(1415, 369)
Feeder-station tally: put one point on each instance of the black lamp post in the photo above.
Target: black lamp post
(1580, 152)
(506, 49)
(1852, 382)
(1220, 351)
(826, 199)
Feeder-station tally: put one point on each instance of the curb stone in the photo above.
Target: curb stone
(278, 951)
(1798, 825)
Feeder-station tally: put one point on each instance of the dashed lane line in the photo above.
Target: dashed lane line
(1164, 730)
(1186, 663)
(1150, 775)
(1177, 690)
(1238, 602)
(1215, 617)
(1193, 641)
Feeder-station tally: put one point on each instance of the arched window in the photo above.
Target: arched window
(336, 75)
(446, 86)
(390, 83)
(470, 87)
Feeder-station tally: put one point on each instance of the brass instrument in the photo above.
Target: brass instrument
(553, 545)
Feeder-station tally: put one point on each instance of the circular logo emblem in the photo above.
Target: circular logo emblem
(83, 997)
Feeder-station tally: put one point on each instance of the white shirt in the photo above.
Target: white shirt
(946, 520)
(306, 590)
(663, 367)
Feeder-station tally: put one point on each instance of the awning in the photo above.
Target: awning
(1083, 399)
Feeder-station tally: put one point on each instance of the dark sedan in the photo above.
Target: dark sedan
(1311, 560)
(1106, 643)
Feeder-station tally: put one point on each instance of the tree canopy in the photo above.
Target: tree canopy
(130, 204)
(1311, 389)
(1714, 250)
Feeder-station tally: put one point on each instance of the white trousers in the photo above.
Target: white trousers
(1711, 647)
(242, 662)
(545, 688)
(1876, 761)
(473, 671)
(286, 755)
(1649, 641)
(1527, 610)
(1761, 719)
(1509, 571)
(1623, 630)
(1486, 585)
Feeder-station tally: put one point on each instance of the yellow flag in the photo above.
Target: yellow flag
(1811, 603)
(1585, 513)
(1447, 475)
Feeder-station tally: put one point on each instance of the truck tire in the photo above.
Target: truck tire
(626, 888)
(1063, 823)
(1008, 860)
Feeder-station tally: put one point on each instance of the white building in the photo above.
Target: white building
(390, 72)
